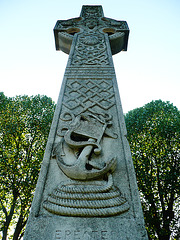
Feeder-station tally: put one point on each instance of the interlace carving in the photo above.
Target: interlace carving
(90, 94)
(92, 12)
(90, 50)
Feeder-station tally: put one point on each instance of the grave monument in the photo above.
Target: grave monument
(87, 186)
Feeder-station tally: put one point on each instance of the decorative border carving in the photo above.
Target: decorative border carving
(90, 71)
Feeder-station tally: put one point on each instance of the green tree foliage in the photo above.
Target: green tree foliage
(154, 138)
(24, 127)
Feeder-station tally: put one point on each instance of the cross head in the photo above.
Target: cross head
(90, 27)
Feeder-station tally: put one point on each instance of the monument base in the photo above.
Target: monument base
(68, 228)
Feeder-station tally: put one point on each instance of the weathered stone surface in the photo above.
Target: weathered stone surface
(87, 187)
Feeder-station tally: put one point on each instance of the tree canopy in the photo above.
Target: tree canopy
(154, 138)
(24, 127)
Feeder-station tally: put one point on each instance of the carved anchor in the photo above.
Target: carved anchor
(85, 133)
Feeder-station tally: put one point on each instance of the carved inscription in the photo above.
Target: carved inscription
(81, 234)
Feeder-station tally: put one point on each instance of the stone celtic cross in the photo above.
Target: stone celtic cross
(91, 46)
(87, 187)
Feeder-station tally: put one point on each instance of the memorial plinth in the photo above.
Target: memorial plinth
(87, 186)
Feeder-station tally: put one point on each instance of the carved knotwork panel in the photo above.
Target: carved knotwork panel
(89, 94)
(92, 12)
(90, 50)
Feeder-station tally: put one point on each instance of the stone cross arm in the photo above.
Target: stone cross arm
(91, 19)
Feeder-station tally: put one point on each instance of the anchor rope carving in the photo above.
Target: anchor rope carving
(86, 200)
(86, 193)
(92, 128)
(95, 187)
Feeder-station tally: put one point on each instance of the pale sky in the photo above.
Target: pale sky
(149, 70)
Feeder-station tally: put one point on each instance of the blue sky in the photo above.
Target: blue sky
(149, 70)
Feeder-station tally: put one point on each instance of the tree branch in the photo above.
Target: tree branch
(4, 209)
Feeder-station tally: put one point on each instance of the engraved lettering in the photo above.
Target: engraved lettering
(58, 234)
(77, 235)
(86, 236)
(113, 234)
(67, 233)
(95, 235)
(104, 235)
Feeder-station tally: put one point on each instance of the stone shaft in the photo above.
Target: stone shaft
(87, 186)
